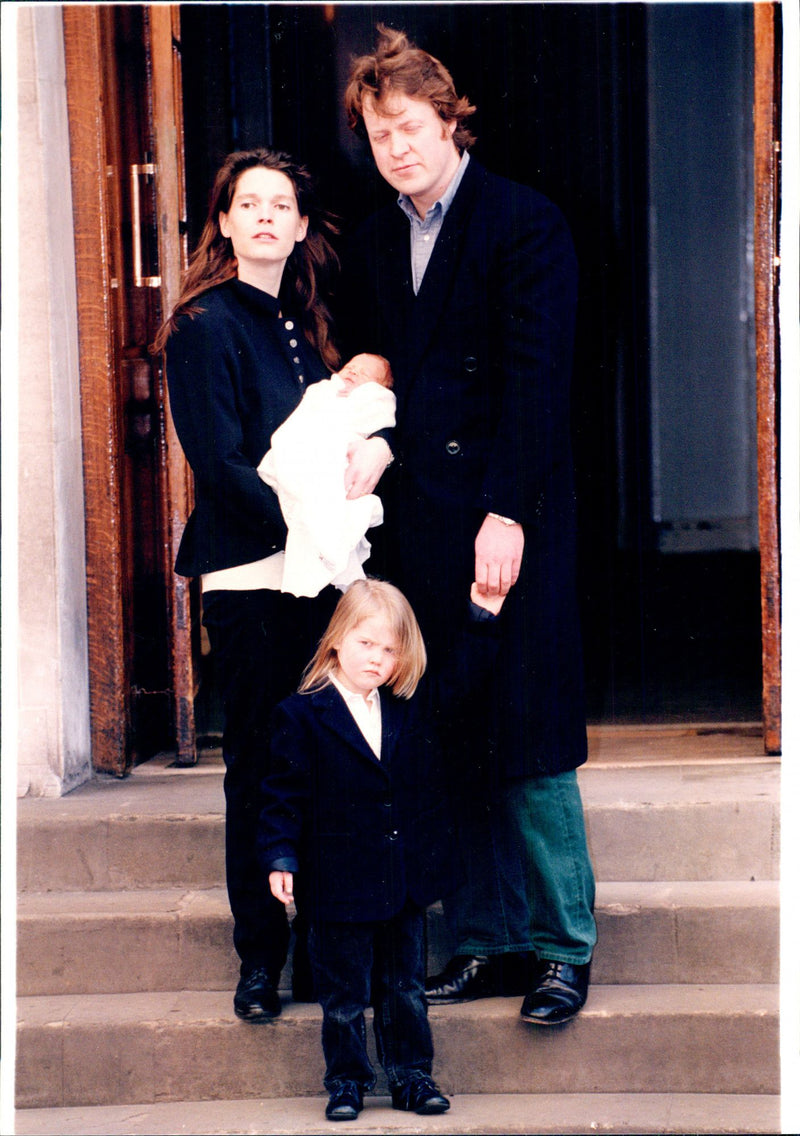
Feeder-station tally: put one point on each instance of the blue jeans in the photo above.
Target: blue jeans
(529, 880)
(355, 963)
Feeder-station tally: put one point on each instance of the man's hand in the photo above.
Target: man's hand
(498, 557)
(367, 458)
(281, 884)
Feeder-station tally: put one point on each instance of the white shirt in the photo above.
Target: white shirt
(366, 712)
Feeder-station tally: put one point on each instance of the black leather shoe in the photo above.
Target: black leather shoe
(465, 978)
(256, 999)
(559, 993)
(419, 1095)
(345, 1102)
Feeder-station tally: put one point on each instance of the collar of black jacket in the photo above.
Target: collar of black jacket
(255, 298)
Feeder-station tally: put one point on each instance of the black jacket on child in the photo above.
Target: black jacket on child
(364, 835)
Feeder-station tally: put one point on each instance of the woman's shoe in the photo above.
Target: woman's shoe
(256, 999)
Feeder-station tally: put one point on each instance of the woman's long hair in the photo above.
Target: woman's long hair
(308, 270)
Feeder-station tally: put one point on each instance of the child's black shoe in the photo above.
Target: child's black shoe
(346, 1102)
(419, 1095)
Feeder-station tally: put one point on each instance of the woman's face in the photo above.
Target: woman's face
(263, 222)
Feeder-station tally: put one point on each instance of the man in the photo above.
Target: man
(468, 286)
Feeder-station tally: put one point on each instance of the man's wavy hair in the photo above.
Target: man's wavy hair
(400, 67)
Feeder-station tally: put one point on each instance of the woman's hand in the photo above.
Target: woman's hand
(281, 884)
(367, 458)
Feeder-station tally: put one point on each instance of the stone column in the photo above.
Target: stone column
(51, 653)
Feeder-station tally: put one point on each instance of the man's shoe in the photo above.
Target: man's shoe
(345, 1102)
(558, 995)
(419, 1095)
(465, 978)
(256, 999)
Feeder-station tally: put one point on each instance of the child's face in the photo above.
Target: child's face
(367, 655)
(363, 369)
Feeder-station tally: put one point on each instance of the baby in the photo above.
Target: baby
(306, 463)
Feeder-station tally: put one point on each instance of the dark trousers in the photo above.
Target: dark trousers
(260, 643)
(355, 963)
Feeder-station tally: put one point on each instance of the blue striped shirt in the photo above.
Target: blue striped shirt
(424, 233)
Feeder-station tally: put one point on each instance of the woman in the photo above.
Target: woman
(248, 334)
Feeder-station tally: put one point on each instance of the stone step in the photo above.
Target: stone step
(161, 827)
(86, 1050)
(495, 1114)
(136, 941)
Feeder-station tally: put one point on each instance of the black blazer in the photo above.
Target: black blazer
(235, 372)
(364, 835)
(482, 363)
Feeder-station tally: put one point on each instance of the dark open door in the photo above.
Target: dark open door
(123, 88)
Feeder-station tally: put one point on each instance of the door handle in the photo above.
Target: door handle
(140, 281)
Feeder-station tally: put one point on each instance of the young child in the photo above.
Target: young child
(356, 808)
(306, 463)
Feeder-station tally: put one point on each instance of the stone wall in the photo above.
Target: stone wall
(52, 685)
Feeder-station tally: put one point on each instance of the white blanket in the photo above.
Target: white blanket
(305, 465)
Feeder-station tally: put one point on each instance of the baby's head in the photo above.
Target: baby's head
(372, 617)
(366, 368)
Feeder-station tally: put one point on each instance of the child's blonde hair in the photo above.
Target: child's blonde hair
(363, 599)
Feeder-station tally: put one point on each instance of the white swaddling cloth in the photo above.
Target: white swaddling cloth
(305, 465)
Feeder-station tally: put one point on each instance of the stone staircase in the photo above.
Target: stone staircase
(126, 969)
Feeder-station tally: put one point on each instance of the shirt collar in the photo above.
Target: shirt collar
(353, 697)
(443, 203)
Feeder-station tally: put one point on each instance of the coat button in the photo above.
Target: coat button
(393, 835)
(289, 325)
(470, 364)
(453, 447)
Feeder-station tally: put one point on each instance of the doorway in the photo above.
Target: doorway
(593, 105)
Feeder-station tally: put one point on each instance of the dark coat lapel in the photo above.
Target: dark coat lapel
(431, 302)
(336, 717)
(393, 715)
(414, 319)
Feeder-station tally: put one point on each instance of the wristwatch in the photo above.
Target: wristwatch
(502, 520)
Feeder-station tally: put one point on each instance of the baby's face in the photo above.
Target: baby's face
(362, 369)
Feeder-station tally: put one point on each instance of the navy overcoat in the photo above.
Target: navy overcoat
(482, 362)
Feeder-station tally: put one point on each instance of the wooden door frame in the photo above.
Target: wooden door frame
(766, 117)
(109, 662)
(178, 497)
(109, 666)
(109, 677)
